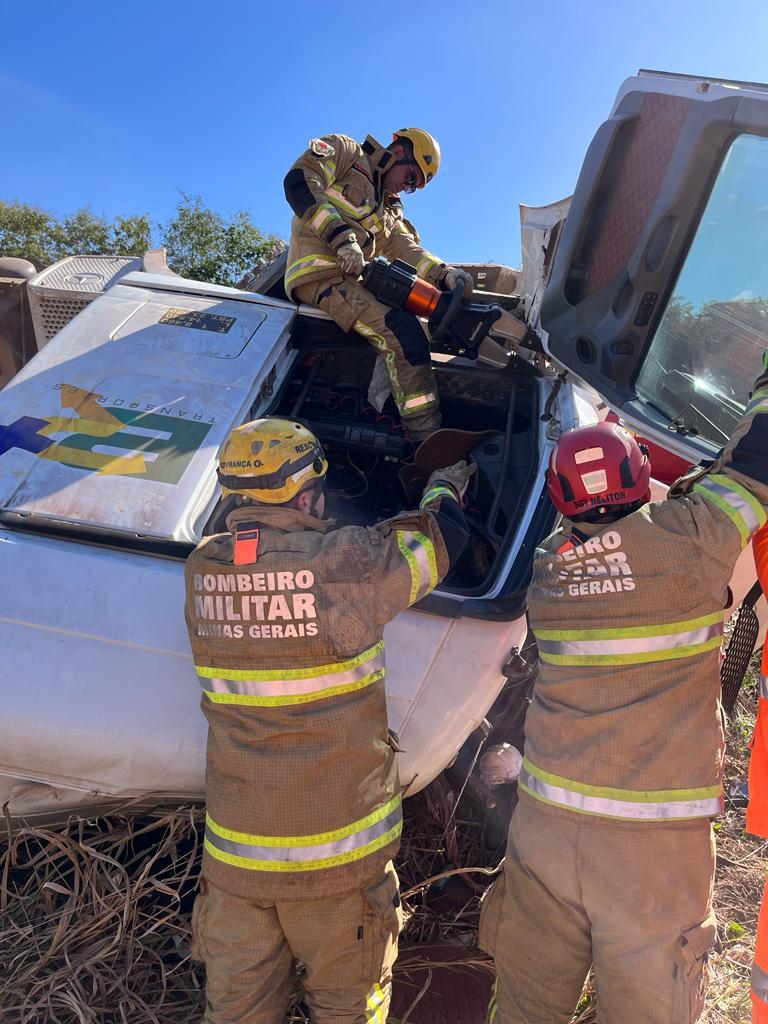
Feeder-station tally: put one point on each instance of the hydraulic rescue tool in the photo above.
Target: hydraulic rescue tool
(475, 330)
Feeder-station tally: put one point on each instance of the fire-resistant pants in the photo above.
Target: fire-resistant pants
(398, 336)
(633, 900)
(347, 944)
(759, 986)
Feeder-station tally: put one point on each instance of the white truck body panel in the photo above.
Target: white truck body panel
(111, 440)
(98, 682)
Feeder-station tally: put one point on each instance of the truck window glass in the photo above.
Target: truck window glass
(707, 348)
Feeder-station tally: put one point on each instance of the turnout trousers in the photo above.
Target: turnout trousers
(396, 335)
(632, 900)
(347, 945)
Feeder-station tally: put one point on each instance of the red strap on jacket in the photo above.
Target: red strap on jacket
(757, 811)
(246, 546)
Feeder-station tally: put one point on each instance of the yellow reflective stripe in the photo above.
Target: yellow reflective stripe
(741, 507)
(322, 219)
(253, 700)
(492, 1005)
(291, 673)
(290, 686)
(758, 403)
(372, 223)
(426, 262)
(376, 1004)
(308, 265)
(419, 552)
(627, 804)
(670, 654)
(682, 626)
(632, 644)
(313, 839)
(307, 865)
(417, 402)
(329, 170)
(343, 204)
(437, 492)
(410, 558)
(389, 358)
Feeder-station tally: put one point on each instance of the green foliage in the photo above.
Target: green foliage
(201, 243)
(204, 246)
(132, 236)
(27, 232)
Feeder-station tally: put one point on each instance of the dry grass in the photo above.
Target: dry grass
(94, 916)
(741, 869)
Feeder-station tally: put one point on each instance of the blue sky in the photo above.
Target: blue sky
(121, 108)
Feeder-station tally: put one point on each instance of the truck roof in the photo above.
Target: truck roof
(117, 422)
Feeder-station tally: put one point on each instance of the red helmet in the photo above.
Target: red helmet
(597, 466)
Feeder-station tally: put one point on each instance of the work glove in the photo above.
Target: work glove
(456, 278)
(456, 476)
(500, 764)
(350, 258)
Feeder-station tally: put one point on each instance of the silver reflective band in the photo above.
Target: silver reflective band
(764, 687)
(417, 401)
(279, 686)
(298, 853)
(609, 807)
(759, 983)
(632, 645)
(751, 517)
(419, 551)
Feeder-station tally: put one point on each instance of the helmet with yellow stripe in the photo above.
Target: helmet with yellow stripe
(426, 152)
(270, 460)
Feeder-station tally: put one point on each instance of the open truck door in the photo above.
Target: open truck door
(658, 295)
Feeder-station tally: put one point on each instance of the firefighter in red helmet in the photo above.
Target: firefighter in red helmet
(610, 847)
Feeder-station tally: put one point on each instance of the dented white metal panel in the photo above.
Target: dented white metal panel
(117, 423)
(100, 696)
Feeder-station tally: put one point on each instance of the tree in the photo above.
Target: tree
(132, 236)
(83, 233)
(201, 243)
(204, 246)
(27, 233)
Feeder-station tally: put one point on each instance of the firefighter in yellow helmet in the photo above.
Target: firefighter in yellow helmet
(341, 195)
(286, 615)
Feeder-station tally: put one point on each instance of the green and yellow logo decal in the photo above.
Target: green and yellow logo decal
(109, 440)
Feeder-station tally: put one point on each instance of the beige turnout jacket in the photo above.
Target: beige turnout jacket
(625, 718)
(303, 794)
(335, 192)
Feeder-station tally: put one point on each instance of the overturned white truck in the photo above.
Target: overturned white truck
(647, 289)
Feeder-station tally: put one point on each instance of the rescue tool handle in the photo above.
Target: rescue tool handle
(441, 328)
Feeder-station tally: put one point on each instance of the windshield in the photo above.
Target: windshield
(708, 347)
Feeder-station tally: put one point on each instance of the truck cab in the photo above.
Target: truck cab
(645, 291)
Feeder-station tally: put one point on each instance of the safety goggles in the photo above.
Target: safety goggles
(411, 182)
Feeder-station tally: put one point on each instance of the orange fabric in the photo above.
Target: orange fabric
(761, 946)
(759, 1011)
(757, 811)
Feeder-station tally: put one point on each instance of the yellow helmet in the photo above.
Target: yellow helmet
(426, 151)
(270, 460)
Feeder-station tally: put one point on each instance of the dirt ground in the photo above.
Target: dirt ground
(94, 916)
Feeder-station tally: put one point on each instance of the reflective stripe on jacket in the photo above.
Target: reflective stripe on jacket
(624, 721)
(289, 650)
(334, 189)
(757, 809)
